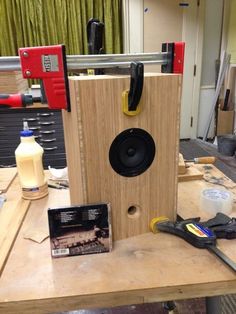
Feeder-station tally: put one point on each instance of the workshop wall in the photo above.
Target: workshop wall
(232, 32)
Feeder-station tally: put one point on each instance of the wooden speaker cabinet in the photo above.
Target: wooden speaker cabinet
(129, 161)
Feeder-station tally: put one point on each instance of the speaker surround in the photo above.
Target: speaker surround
(132, 152)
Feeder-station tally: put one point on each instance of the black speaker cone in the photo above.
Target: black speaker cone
(132, 152)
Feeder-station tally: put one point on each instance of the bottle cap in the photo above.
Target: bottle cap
(26, 133)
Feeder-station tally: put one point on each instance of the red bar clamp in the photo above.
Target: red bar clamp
(175, 63)
(48, 63)
(178, 62)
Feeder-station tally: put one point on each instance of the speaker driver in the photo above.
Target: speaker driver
(132, 152)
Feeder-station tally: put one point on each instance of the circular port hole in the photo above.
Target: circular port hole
(133, 211)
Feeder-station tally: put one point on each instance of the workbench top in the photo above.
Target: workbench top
(145, 268)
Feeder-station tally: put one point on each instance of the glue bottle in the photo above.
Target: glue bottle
(29, 164)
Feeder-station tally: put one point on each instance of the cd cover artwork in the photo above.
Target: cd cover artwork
(80, 230)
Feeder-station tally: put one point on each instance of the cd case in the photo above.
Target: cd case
(80, 230)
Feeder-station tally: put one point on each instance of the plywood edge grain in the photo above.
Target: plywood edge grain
(182, 168)
(73, 146)
(117, 76)
(7, 175)
(107, 300)
(11, 218)
(191, 174)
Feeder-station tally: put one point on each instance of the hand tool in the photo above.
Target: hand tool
(222, 225)
(50, 64)
(202, 160)
(65, 185)
(17, 100)
(55, 186)
(193, 232)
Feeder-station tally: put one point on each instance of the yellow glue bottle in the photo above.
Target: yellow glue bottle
(29, 164)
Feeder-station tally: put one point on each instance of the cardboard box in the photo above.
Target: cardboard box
(225, 122)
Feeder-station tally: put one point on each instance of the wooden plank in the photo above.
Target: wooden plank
(70, 303)
(182, 167)
(225, 122)
(191, 174)
(11, 217)
(95, 120)
(6, 177)
(12, 82)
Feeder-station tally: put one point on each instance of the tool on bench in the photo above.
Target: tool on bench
(193, 232)
(18, 100)
(222, 225)
(202, 160)
(50, 64)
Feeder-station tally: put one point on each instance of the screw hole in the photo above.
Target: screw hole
(133, 211)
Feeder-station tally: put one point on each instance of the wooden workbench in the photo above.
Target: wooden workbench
(145, 268)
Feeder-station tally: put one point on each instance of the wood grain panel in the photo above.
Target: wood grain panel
(95, 120)
(12, 215)
(182, 167)
(6, 177)
(191, 174)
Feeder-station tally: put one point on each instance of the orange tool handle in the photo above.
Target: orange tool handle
(204, 160)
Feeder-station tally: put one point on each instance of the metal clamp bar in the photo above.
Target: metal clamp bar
(94, 61)
(222, 256)
(10, 64)
(118, 57)
(102, 65)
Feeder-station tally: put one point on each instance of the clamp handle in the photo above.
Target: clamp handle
(136, 85)
(131, 97)
(95, 36)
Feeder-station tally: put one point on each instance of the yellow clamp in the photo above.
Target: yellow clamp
(90, 71)
(155, 221)
(125, 105)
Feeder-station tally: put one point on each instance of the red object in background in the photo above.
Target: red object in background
(14, 100)
(178, 62)
(48, 63)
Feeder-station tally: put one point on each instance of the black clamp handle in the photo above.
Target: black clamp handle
(136, 85)
(95, 36)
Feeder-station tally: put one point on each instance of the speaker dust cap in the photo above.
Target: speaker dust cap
(132, 152)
